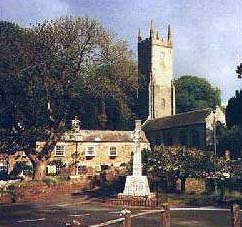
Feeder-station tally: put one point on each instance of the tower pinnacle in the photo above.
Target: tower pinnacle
(139, 35)
(151, 28)
(157, 34)
(169, 33)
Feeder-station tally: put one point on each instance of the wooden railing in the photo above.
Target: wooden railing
(235, 215)
(127, 216)
(139, 202)
(165, 220)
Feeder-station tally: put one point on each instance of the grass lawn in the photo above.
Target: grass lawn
(200, 219)
(187, 219)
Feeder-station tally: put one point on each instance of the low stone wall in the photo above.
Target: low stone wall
(126, 201)
(32, 190)
(112, 174)
(195, 185)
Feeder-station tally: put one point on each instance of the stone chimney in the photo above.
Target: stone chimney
(227, 154)
(75, 124)
(137, 124)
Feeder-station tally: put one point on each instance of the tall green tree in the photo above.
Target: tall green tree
(234, 110)
(239, 70)
(115, 81)
(194, 93)
(230, 138)
(63, 65)
(11, 64)
(182, 162)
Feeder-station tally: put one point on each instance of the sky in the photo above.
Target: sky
(207, 34)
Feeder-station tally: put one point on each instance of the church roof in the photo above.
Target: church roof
(102, 136)
(181, 119)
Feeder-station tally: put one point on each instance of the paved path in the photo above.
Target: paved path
(198, 209)
(57, 213)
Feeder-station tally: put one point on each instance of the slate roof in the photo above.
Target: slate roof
(102, 136)
(182, 119)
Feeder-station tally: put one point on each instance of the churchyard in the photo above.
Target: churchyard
(94, 133)
(42, 205)
(58, 212)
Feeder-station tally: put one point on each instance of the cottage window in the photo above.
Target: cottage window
(3, 166)
(82, 169)
(104, 167)
(59, 166)
(59, 150)
(51, 169)
(90, 151)
(113, 151)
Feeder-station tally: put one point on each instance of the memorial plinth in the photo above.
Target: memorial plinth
(136, 184)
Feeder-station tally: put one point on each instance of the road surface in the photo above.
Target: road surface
(57, 213)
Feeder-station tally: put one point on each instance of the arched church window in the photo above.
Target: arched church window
(163, 104)
(183, 138)
(157, 141)
(168, 139)
(195, 139)
(2, 96)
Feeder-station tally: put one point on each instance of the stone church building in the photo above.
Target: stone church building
(156, 99)
(100, 149)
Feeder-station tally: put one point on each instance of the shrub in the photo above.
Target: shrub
(50, 181)
(11, 189)
(21, 166)
(3, 190)
(4, 176)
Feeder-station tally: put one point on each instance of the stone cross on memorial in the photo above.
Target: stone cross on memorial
(136, 184)
(137, 163)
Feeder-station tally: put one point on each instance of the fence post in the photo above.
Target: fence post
(127, 217)
(235, 215)
(165, 218)
(75, 223)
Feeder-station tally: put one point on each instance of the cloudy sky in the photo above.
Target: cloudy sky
(207, 34)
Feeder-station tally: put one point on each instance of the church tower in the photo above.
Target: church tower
(156, 94)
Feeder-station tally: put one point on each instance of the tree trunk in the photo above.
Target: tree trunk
(183, 184)
(221, 185)
(215, 187)
(40, 169)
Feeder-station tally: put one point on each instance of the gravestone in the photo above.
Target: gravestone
(136, 184)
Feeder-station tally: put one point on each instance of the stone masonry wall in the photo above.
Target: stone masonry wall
(195, 185)
(101, 149)
(32, 191)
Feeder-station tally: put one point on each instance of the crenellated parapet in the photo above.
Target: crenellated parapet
(155, 39)
(156, 95)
